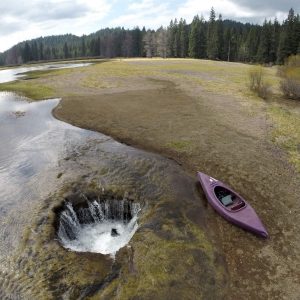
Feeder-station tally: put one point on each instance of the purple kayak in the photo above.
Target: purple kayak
(231, 206)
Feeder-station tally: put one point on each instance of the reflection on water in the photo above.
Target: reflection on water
(12, 74)
(31, 143)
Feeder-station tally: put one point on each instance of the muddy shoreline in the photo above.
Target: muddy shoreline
(222, 135)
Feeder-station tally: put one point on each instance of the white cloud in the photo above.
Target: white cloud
(148, 13)
(138, 6)
(226, 7)
(31, 19)
(237, 10)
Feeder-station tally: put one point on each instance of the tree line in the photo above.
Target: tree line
(215, 39)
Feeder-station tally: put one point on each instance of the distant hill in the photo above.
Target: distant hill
(215, 39)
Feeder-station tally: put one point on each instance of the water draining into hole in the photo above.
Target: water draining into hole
(99, 226)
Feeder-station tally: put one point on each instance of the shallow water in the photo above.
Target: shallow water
(32, 142)
(34, 145)
(12, 74)
(40, 156)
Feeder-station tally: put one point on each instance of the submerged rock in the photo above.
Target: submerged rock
(114, 232)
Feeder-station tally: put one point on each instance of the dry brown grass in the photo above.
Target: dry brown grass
(258, 84)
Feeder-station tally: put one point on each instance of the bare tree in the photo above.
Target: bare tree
(127, 47)
(162, 42)
(150, 43)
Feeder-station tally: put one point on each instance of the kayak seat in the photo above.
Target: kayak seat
(227, 200)
(238, 206)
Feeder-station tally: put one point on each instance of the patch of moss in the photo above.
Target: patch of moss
(179, 145)
(164, 264)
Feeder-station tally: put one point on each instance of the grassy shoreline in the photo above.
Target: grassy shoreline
(211, 76)
(201, 114)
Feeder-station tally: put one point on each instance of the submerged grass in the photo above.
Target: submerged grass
(159, 269)
(46, 73)
(31, 90)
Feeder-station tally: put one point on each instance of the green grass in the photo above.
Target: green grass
(29, 89)
(45, 73)
(286, 133)
(110, 74)
(32, 89)
(179, 145)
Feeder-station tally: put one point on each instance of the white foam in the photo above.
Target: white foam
(97, 236)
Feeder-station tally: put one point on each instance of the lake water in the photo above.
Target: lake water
(12, 74)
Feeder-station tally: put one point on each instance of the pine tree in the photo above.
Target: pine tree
(212, 36)
(66, 51)
(297, 33)
(171, 39)
(26, 55)
(251, 44)
(282, 51)
(220, 39)
(143, 51)
(137, 42)
(263, 53)
(34, 51)
(41, 51)
(176, 39)
(194, 38)
(83, 46)
(202, 39)
(292, 43)
(48, 53)
(183, 38)
(274, 42)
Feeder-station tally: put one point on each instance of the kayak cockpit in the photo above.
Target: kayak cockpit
(228, 199)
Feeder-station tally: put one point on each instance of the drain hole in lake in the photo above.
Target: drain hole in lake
(100, 226)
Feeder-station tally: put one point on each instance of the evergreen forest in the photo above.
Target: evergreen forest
(216, 39)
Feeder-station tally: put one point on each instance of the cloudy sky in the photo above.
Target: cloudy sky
(21, 19)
